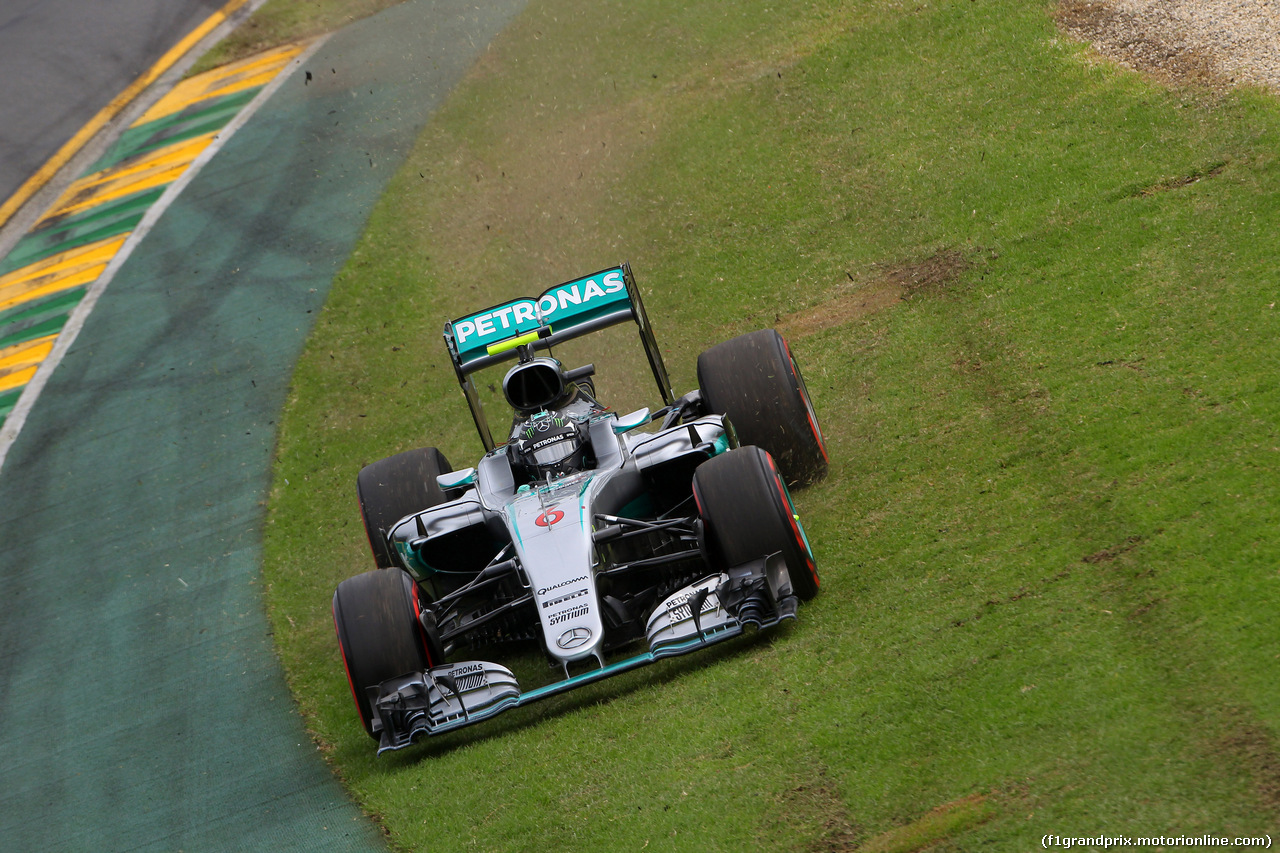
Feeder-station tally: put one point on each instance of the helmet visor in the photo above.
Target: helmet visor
(550, 451)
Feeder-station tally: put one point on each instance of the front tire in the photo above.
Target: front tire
(392, 488)
(748, 514)
(375, 617)
(755, 380)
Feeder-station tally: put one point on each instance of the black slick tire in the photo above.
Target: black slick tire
(755, 380)
(392, 488)
(375, 617)
(748, 514)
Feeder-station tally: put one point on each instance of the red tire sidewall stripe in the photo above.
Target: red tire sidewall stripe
(791, 519)
(342, 649)
(417, 623)
(808, 409)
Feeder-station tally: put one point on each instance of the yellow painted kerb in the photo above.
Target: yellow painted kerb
(155, 169)
(63, 271)
(18, 363)
(111, 110)
(225, 80)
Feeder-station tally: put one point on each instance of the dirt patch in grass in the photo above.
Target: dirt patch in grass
(931, 274)
(1106, 555)
(1250, 745)
(815, 801)
(859, 302)
(938, 824)
(1182, 181)
(855, 299)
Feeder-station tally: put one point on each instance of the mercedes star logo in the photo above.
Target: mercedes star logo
(573, 638)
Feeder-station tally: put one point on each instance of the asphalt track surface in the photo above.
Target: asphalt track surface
(63, 60)
(141, 704)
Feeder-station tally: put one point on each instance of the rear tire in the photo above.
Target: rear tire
(392, 488)
(755, 380)
(375, 617)
(748, 514)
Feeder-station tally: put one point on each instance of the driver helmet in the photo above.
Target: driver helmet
(548, 444)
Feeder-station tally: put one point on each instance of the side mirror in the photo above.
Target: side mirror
(626, 423)
(457, 479)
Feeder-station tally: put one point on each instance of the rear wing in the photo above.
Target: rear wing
(560, 313)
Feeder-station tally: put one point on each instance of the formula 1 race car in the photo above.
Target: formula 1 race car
(607, 542)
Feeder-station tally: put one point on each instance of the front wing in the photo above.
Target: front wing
(714, 609)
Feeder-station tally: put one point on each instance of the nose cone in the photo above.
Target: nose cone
(555, 549)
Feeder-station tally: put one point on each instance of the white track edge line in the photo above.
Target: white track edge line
(75, 322)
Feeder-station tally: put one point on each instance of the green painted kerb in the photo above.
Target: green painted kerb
(198, 119)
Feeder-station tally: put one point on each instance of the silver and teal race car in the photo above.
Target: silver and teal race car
(603, 541)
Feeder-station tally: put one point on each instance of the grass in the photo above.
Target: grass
(1046, 367)
(278, 22)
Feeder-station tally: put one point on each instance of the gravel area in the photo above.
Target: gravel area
(1218, 43)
